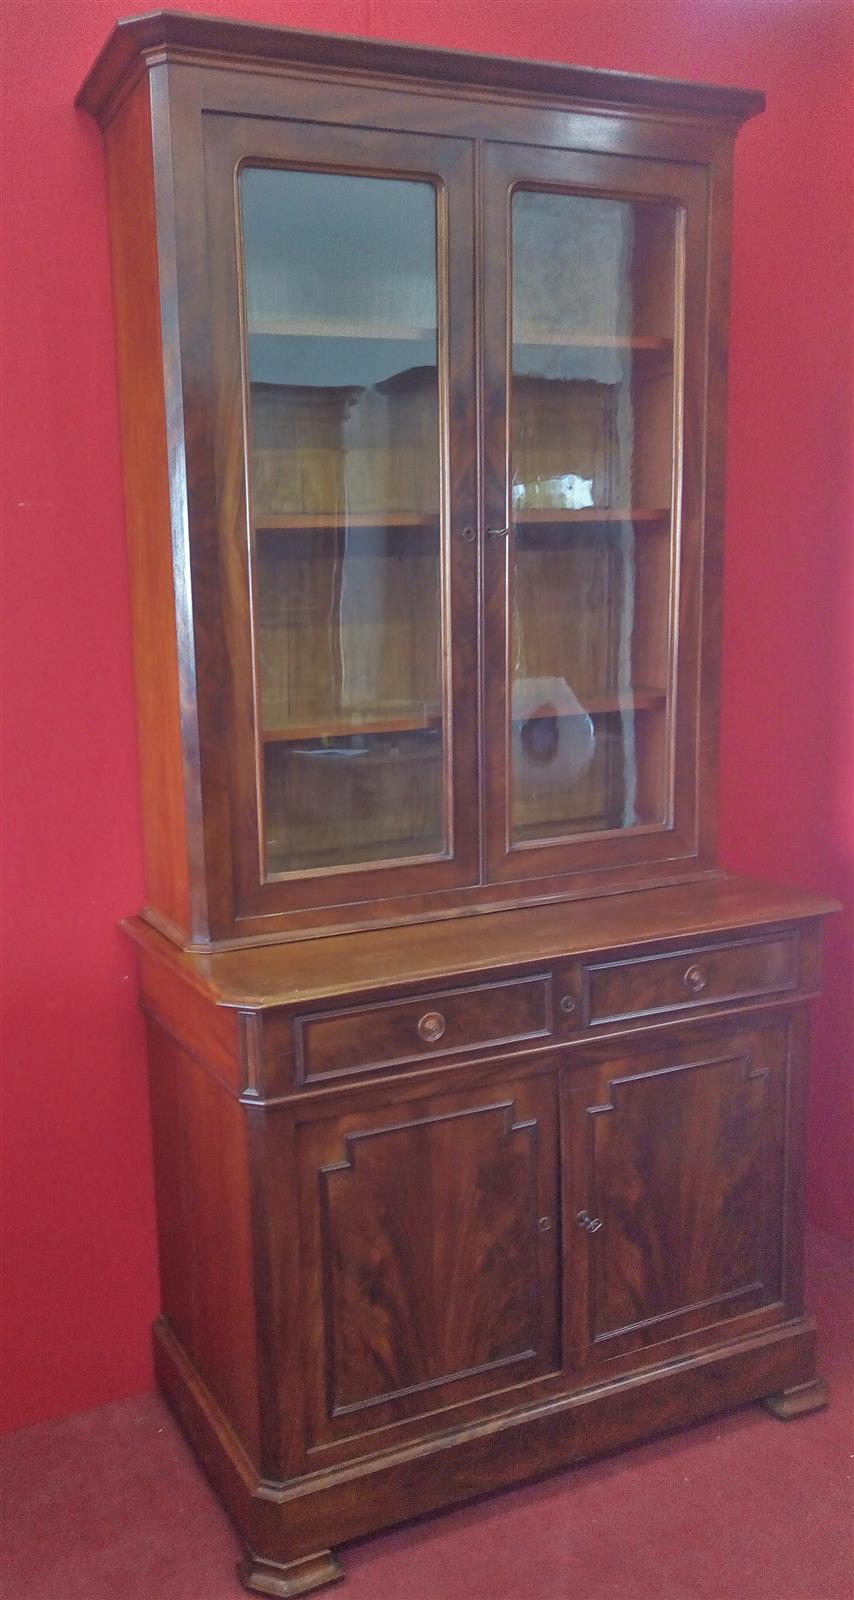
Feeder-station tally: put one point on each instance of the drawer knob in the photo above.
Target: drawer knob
(584, 1220)
(567, 1005)
(431, 1026)
(696, 978)
(544, 1224)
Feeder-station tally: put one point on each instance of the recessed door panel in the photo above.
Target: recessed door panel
(433, 1252)
(676, 1192)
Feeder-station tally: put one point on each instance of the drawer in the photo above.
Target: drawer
(699, 976)
(333, 1044)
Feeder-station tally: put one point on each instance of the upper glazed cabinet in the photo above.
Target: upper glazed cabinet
(434, 414)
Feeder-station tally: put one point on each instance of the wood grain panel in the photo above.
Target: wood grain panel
(434, 1252)
(145, 456)
(208, 1032)
(409, 1311)
(204, 1229)
(681, 1212)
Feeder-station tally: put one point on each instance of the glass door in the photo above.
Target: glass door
(343, 383)
(585, 364)
(362, 697)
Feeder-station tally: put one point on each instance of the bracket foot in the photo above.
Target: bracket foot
(798, 1402)
(289, 1577)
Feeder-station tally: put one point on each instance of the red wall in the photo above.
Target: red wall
(80, 1274)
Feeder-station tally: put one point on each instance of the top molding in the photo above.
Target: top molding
(159, 34)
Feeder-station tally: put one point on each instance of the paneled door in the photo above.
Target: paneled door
(594, 352)
(431, 1250)
(674, 1192)
(341, 262)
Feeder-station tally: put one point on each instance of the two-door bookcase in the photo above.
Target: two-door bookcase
(478, 1088)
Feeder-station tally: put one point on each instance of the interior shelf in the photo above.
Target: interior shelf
(418, 718)
(307, 328)
(566, 340)
(549, 514)
(285, 521)
(602, 704)
(295, 328)
(412, 720)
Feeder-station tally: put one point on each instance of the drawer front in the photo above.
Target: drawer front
(699, 976)
(334, 1044)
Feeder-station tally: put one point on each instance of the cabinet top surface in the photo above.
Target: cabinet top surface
(212, 40)
(386, 958)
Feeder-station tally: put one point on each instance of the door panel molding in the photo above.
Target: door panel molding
(677, 1203)
(433, 1254)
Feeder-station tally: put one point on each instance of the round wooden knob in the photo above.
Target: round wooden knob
(696, 979)
(567, 1005)
(432, 1026)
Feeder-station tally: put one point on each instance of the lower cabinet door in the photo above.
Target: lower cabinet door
(430, 1253)
(674, 1192)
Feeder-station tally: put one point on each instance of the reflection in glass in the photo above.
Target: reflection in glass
(342, 336)
(591, 437)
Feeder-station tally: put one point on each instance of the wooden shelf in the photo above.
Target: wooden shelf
(547, 514)
(590, 341)
(307, 328)
(391, 849)
(413, 720)
(293, 328)
(419, 718)
(602, 704)
(287, 521)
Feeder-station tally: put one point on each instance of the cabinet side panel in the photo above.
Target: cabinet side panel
(708, 434)
(133, 244)
(204, 1228)
(208, 1032)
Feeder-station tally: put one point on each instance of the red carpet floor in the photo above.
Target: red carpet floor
(109, 1506)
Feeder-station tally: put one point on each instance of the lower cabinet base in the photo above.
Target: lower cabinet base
(293, 1577)
(798, 1401)
(283, 1524)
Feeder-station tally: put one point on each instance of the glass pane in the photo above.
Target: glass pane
(342, 327)
(592, 430)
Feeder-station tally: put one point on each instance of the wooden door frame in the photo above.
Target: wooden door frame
(693, 690)
(229, 144)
